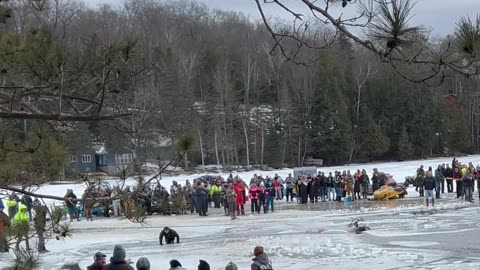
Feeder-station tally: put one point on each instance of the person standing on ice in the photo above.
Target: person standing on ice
(21, 226)
(458, 181)
(253, 195)
(449, 176)
(216, 193)
(365, 184)
(12, 206)
(330, 187)
(116, 203)
(40, 224)
(262, 198)
(438, 181)
(375, 180)
(231, 197)
(429, 186)
(278, 188)
(468, 186)
(201, 199)
(290, 184)
(420, 181)
(239, 190)
(270, 197)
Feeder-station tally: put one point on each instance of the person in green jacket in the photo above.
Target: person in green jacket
(11, 206)
(20, 226)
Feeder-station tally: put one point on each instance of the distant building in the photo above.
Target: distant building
(81, 162)
(99, 159)
(113, 162)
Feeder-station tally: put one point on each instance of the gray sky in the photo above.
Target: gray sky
(438, 15)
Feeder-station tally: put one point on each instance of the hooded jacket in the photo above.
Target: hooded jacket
(239, 190)
(261, 262)
(117, 261)
(253, 192)
(21, 216)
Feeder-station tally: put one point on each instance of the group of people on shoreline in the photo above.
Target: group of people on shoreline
(118, 261)
(463, 175)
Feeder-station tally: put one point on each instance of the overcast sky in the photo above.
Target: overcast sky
(438, 15)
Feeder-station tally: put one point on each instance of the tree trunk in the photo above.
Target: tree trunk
(201, 148)
(284, 150)
(299, 149)
(216, 148)
(247, 148)
(263, 146)
(185, 159)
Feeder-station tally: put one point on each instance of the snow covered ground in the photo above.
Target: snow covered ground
(404, 235)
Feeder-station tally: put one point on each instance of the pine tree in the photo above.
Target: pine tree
(459, 138)
(405, 147)
(374, 141)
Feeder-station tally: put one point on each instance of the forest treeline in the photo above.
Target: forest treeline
(213, 83)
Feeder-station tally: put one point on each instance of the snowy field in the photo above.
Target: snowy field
(405, 234)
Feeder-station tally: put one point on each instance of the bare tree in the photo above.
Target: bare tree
(389, 35)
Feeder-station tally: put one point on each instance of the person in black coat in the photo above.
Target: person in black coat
(468, 186)
(27, 201)
(429, 186)
(449, 176)
(169, 235)
(201, 193)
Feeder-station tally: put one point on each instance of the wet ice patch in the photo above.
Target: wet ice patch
(413, 244)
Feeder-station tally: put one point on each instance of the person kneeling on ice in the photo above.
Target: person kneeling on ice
(169, 235)
(261, 260)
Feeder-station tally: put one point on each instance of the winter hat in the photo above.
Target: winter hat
(203, 265)
(119, 254)
(143, 264)
(258, 250)
(175, 263)
(231, 266)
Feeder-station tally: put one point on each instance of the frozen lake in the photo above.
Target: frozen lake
(405, 234)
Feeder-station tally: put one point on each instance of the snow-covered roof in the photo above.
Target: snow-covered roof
(100, 149)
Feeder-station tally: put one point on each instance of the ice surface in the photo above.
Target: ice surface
(405, 236)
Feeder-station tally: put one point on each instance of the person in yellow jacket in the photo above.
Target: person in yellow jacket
(20, 226)
(11, 206)
(464, 171)
(216, 193)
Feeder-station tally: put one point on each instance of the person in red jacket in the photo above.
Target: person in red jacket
(253, 195)
(240, 191)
